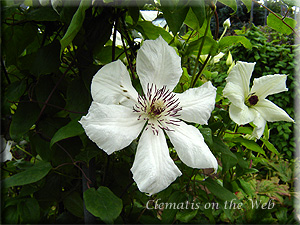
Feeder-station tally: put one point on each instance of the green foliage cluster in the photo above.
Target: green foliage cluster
(273, 53)
(58, 175)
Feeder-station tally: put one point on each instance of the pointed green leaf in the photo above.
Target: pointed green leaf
(30, 175)
(230, 3)
(29, 211)
(24, 118)
(74, 204)
(72, 129)
(278, 25)
(75, 24)
(103, 203)
(233, 40)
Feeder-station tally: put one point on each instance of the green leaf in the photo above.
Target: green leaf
(23, 119)
(230, 3)
(250, 144)
(15, 40)
(292, 3)
(42, 14)
(30, 175)
(103, 203)
(47, 59)
(248, 4)
(169, 213)
(88, 153)
(207, 134)
(72, 129)
(29, 210)
(198, 8)
(10, 215)
(246, 186)
(278, 25)
(210, 46)
(75, 24)
(41, 146)
(77, 101)
(227, 157)
(74, 204)
(270, 146)
(233, 40)
(15, 90)
(174, 15)
(186, 216)
(152, 32)
(219, 191)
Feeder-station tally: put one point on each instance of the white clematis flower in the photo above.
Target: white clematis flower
(250, 105)
(118, 114)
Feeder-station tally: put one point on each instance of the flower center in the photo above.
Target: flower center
(251, 100)
(159, 107)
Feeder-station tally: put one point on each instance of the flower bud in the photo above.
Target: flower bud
(226, 23)
(229, 59)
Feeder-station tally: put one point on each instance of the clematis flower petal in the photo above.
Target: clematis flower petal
(240, 76)
(197, 103)
(153, 169)
(158, 63)
(271, 112)
(112, 85)
(111, 127)
(241, 116)
(190, 147)
(260, 124)
(234, 93)
(269, 85)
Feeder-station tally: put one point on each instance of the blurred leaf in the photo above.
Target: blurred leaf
(10, 215)
(15, 40)
(72, 129)
(227, 157)
(103, 203)
(77, 101)
(15, 90)
(232, 40)
(246, 186)
(219, 191)
(150, 31)
(41, 146)
(279, 26)
(75, 24)
(169, 213)
(174, 14)
(270, 146)
(186, 216)
(43, 88)
(207, 134)
(47, 59)
(88, 153)
(210, 46)
(42, 14)
(292, 3)
(105, 55)
(247, 3)
(29, 211)
(30, 175)
(24, 118)
(230, 3)
(198, 8)
(74, 204)
(250, 144)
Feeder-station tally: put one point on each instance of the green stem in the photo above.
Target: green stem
(199, 52)
(201, 70)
